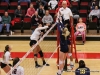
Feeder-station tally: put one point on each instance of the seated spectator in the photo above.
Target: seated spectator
(94, 13)
(30, 11)
(29, 1)
(39, 2)
(75, 12)
(6, 19)
(82, 69)
(47, 19)
(52, 4)
(5, 1)
(18, 12)
(93, 4)
(74, 0)
(41, 11)
(80, 29)
(35, 20)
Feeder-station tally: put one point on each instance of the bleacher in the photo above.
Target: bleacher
(93, 27)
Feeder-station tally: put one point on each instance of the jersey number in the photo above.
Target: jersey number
(14, 71)
(82, 71)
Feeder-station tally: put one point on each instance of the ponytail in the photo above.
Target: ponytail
(6, 49)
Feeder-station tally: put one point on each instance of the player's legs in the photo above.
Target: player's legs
(41, 55)
(61, 62)
(71, 57)
(35, 57)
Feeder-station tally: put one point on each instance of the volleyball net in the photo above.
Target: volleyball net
(27, 61)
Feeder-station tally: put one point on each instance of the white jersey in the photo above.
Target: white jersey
(37, 32)
(53, 3)
(18, 71)
(65, 13)
(7, 57)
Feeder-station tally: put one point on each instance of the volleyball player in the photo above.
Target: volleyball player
(33, 40)
(63, 46)
(18, 70)
(5, 65)
(66, 16)
(82, 69)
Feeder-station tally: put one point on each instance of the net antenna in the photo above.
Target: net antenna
(29, 51)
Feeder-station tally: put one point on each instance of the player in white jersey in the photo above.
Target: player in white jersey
(5, 65)
(19, 70)
(33, 40)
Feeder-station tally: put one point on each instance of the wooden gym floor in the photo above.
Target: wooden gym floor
(89, 52)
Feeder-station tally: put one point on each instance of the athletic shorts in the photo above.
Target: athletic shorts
(32, 42)
(65, 49)
(3, 65)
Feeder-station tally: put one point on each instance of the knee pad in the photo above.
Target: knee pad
(35, 55)
(41, 53)
(69, 54)
(61, 62)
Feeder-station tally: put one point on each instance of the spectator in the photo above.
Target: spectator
(6, 1)
(41, 11)
(35, 20)
(52, 4)
(93, 4)
(80, 29)
(82, 69)
(39, 2)
(75, 12)
(75, 0)
(6, 19)
(94, 13)
(18, 12)
(29, 1)
(30, 11)
(47, 19)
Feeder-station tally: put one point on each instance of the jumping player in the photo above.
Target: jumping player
(63, 46)
(82, 69)
(5, 65)
(33, 40)
(65, 18)
(19, 70)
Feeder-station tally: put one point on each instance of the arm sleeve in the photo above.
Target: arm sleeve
(43, 19)
(51, 19)
(49, 2)
(2, 20)
(28, 13)
(9, 19)
(59, 27)
(76, 72)
(42, 28)
(88, 73)
(70, 13)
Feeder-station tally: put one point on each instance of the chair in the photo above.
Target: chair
(27, 23)
(18, 24)
(83, 13)
(75, 4)
(52, 12)
(4, 6)
(93, 25)
(13, 5)
(84, 5)
(11, 13)
(2, 12)
(24, 5)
